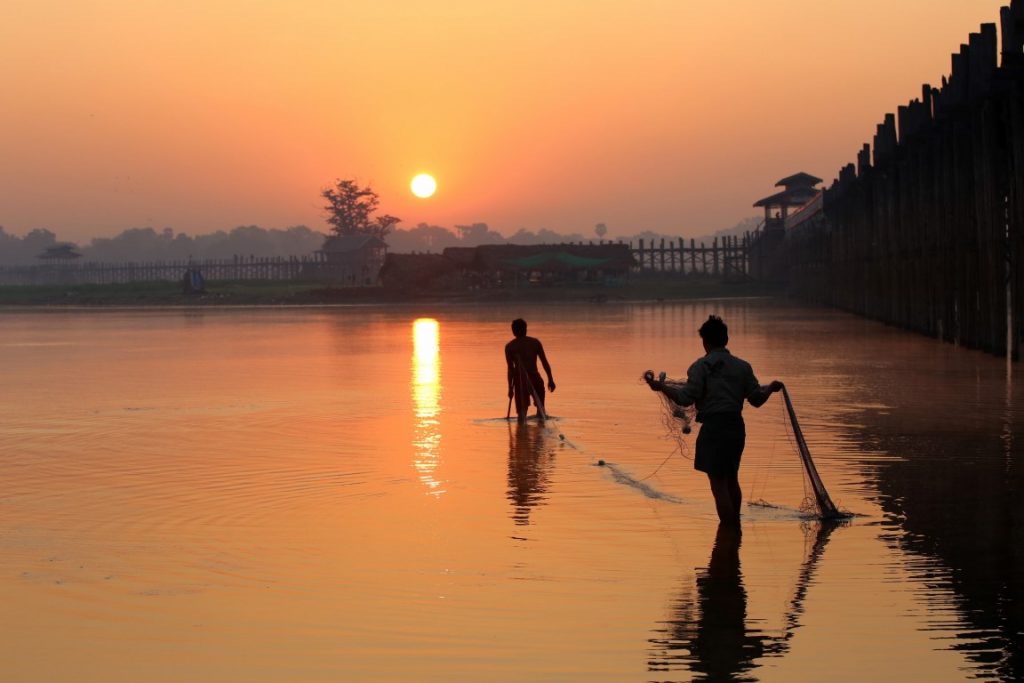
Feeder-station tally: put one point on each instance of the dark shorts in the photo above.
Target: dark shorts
(524, 392)
(720, 444)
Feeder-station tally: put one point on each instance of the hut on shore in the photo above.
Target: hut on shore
(493, 266)
(418, 272)
(553, 264)
(354, 259)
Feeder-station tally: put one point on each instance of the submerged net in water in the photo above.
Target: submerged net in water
(679, 422)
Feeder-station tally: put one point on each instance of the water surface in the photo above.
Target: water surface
(334, 494)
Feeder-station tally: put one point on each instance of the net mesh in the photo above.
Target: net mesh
(823, 504)
(679, 420)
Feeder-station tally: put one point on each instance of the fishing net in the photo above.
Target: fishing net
(679, 420)
(822, 503)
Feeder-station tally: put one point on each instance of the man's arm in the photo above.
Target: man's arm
(760, 395)
(511, 371)
(546, 365)
(688, 393)
(684, 394)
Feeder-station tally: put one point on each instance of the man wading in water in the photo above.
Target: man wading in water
(521, 356)
(718, 383)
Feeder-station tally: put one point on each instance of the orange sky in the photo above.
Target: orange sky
(664, 115)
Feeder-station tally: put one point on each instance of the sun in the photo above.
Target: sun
(423, 185)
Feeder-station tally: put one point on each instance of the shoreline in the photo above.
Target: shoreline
(252, 293)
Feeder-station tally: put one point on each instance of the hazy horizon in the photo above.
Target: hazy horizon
(585, 232)
(664, 117)
(149, 244)
(87, 238)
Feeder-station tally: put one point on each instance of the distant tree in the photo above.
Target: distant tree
(549, 236)
(38, 241)
(350, 210)
(475, 234)
(133, 244)
(147, 244)
(424, 237)
(10, 247)
(297, 240)
(600, 230)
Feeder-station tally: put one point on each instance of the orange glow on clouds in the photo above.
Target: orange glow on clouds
(669, 116)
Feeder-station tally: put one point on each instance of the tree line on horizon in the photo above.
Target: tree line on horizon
(350, 209)
(148, 244)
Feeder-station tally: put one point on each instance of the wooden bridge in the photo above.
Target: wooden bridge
(926, 230)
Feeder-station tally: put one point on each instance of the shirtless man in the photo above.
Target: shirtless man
(524, 380)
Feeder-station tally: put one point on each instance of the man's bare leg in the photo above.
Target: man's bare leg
(735, 494)
(728, 513)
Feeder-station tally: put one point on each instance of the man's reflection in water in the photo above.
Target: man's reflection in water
(712, 629)
(721, 646)
(528, 462)
(716, 637)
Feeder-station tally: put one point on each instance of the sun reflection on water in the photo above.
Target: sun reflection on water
(426, 395)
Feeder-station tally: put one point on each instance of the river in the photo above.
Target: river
(333, 494)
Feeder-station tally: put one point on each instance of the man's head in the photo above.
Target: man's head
(519, 327)
(714, 333)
